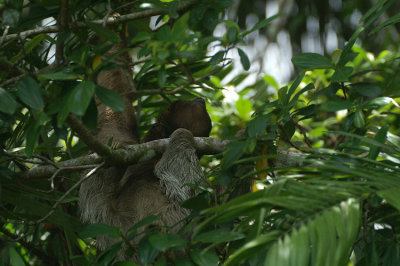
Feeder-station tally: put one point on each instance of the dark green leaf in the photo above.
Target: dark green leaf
(104, 32)
(359, 120)
(59, 76)
(244, 59)
(210, 19)
(145, 221)
(336, 105)
(93, 230)
(147, 252)
(231, 35)
(234, 151)
(80, 97)
(7, 102)
(203, 258)
(217, 58)
(342, 74)
(164, 34)
(15, 257)
(110, 98)
(391, 196)
(378, 102)
(256, 127)
(163, 242)
(30, 93)
(391, 21)
(161, 77)
(380, 137)
(292, 89)
(197, 203)
(303, 90)
(311, 60)
(180, 26)
(261, 24)
(219, 236)
(367, 89)
(140, 37)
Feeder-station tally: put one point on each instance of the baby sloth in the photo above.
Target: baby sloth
(122, 197)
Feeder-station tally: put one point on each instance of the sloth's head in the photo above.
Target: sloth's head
(190, 115)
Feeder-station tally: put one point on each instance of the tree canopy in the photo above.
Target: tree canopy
(304, 173)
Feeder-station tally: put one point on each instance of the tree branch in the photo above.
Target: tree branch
(93, 143)
(129, 155)
(184, 5)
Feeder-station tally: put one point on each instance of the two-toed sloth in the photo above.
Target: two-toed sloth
(123, 196)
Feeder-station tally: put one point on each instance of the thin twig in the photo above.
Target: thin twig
(111, 21)
(76, 185)
(182, 87)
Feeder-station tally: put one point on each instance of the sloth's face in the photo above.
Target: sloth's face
(191, 115)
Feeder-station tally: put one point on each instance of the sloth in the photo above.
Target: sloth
(123, 196)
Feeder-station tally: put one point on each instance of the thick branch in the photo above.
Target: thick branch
(130, 155)
(86, 136)
(111, 21)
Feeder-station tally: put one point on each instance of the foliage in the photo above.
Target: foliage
(332, 202)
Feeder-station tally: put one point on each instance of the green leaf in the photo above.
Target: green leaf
(244, 108)
(104, 33)
(145, 221)
(244, 59)
(232, 34)
(180, 27)
(271, 81)
(7, 102)
(326, 240)
(367, 89)
(285, 99)
(359, 120)
(161, 77)
(391, 196)
(250, 248)
(391, 21)
(140, 37)
(342, 74)
(203, 258)
(30, 93)
(261, 24)
(257, 126)
(164, 34)
(336, 105)
(33, 131)
(217, 58)
(80, 97)
(163, 242)
(210, 19)
(219, 236)
(30, 45)
(15, 257)
(59, 76)
(380, 137)
(110, 98)
(100, 229)
(379, 102)
(311, 61)
(233, 152)
(147, 252)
